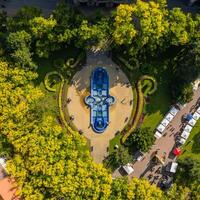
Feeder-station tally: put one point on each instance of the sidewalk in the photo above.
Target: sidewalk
(165, 143)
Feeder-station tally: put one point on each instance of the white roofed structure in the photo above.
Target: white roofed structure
(157, 135)
(3, 162)
(188, 128)
(165, 122)
(161, 128)
(128, 168)
(192, 122)
(196, 115)
(185, 134)
(182, 140)
(173, 111)
(169, 117)
(173, 167)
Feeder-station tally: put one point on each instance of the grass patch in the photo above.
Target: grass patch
(192, 147)
(113, 142)
(49, 104)
(158, 106)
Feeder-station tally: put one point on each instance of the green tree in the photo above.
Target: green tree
(118, 158)
(44, 36)
(119, 189)
(142, 139)
(178, 192)
(20, 21)
(19, 46)
(188, 171)
(93, 35)
(143, 190)
(182, 27)
(153, 25)
(186, 94)
(124, 28)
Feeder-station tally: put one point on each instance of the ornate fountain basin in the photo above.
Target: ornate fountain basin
(99, 100)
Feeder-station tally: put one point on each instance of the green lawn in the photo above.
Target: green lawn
(158, 106)
(49, 104)
(192, 147)
(113, 142)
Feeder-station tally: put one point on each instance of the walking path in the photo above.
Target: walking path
(165, 143)
(119, 113)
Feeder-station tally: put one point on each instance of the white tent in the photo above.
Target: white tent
(173, 167)
(160, 128)
(169, 117)
(173, 111)
(165, 122)
(198, 110)
(188, 128)
(157, 135)
(185, 135)
(3, 162)
(182, 140)
(196, 116)
(128, 168)
(192, 122)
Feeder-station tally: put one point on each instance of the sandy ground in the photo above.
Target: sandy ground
(119, 112)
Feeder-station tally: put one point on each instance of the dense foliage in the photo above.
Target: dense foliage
(46, 161)
(141, 139)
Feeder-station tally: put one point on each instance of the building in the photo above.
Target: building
(106, 3)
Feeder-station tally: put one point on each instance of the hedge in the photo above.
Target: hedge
(46, 80)
(153, 81)
(137, 112)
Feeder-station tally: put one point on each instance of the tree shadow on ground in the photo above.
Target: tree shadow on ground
(46, 65)
(196, 144)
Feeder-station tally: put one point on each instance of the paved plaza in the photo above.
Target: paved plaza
(119, 112)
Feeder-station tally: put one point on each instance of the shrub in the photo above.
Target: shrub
(47, 80)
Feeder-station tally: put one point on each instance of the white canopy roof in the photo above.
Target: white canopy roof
(165, 122)
(128, 168)
(173, 111)
(185, 134)
(192, 122)
(157, 135)
(169, 117)
(3, 162)
(173, 167)
(196, 116)
(160, 128)
(182, 140)
(188, 128)
(198, 110)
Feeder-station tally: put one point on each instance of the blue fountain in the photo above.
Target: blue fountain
(99, 100)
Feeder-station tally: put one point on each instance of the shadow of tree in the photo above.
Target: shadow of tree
(196, 143)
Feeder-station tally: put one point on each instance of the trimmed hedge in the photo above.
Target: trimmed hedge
(153, 83)
(138, 111)
(46, 80)
(139, 105)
